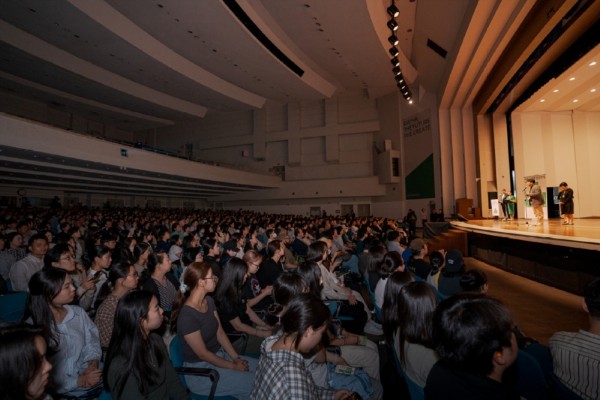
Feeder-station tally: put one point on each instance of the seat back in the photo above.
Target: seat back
(531, 382)
(12, 306)
(176, 353)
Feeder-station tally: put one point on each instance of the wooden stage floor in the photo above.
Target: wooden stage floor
(584, 234)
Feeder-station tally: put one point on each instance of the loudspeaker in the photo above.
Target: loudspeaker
(461, 218)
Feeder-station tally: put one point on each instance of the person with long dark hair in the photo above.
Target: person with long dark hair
(137, 363)
(234, 313)
(24, 369)
(414, 344)
(96, 260)
(389, 311)
(122, 278)
(204, 343)
(74, 338)
(162, 282)
(282, 373)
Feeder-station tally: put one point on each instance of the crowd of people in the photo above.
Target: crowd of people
(282, 306)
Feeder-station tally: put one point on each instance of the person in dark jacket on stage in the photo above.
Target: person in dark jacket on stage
(565, 199)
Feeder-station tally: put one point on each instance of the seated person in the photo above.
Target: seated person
(204, 343)
(473, 336)
(74, 340)
(576, 355)
(413, 344)
(447, 279)
(474, 281)
(282, 372)
(137, 362)
(235, 314)
(417, 263)
(24, 369)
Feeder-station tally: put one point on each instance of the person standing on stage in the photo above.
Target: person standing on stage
(510, 201)
(565, 198)
(536, 200)
(504, 204)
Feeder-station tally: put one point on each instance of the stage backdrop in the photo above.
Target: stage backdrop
(418, 156)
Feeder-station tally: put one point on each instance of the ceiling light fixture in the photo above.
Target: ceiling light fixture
(394, 51)
(592, 90)
(395, 62)
(393, 40)
(542, 100)
(592, 63)
(396, 70)
(555, 91)
(572, 78)
(393, 11)
(393, 25)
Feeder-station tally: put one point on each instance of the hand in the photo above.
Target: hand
(267, 290)
(351, 299)
(341, 394)
(89, 284)
(89, 378)
(240, 365)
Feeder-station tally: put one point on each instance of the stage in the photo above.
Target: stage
(563, 256)
(585, 234)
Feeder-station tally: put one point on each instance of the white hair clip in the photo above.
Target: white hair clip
(183, 288)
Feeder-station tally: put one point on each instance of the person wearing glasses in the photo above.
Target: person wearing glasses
(122, 279)
(204, 343)
(257, 297)
(235, 314)
(61, 256)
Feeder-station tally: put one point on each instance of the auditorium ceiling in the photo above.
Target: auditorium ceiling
(139, 64)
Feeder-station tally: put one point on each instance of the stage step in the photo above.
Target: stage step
(451, 239)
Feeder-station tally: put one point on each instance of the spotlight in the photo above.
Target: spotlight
(400, 79)
(395, 62)
(393, 11)
(393, 25)
(396, 70)
(393, 40)
(394, 51)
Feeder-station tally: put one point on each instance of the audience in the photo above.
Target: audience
(416, 262)
(576, 355)
(74, 341)
(282, 373)
(122, 279)
(23, 270)
(391, 263)
(137, 363)
(474, 281)
(204, 343)
(24, 368)
(161, 282)
(235, 314)
(413, 343)
(473, 336)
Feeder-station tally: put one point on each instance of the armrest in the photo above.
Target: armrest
(210, 373)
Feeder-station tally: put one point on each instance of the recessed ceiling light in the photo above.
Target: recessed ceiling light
(555, 91)
(592, 90)
(575, 101)
(592, 63)
(572, 78)
(542, 100)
